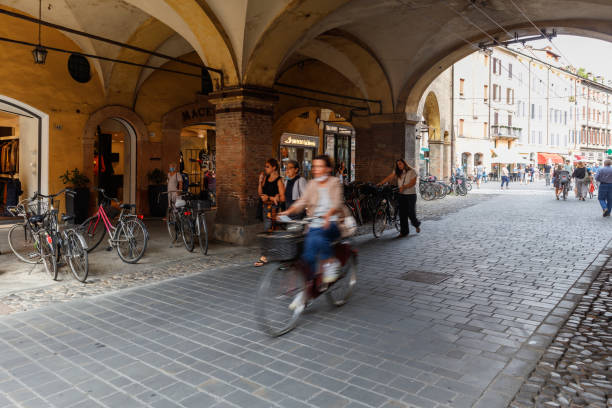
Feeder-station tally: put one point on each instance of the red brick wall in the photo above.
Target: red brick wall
(244, 143)
(377, 148)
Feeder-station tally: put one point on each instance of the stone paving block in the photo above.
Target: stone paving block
(363, 396)
(296, 389)
(328, 400)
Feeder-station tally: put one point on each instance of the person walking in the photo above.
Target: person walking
(521, 176)
(557, 180)
(272, 194)
(582, 179)
(405, 178)
(505, 176)
(480, 171)
(295, 185)
(547, 169)
(604, 195)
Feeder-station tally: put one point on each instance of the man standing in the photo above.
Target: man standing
(505, 175)
(568, 167)
(604, 177)
(547, 168)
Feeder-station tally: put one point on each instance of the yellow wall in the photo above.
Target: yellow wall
(50, 89)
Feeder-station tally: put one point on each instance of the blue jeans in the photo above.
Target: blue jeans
(605, 196)
(505, 179)
(317, 245)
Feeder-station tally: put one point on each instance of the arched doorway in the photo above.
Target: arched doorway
(111, 142)
(115, 159)
(435, 141)
(24, 141)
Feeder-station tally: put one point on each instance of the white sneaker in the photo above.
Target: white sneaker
(330, 271)
(298, 301)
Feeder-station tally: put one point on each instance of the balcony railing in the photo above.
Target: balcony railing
(506, 131)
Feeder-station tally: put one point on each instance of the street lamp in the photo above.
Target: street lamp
(39, 52)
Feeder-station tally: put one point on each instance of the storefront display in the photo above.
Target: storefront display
(340, 146)
(300, 148)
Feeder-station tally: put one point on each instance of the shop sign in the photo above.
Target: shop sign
(291, 139)
(199, 114)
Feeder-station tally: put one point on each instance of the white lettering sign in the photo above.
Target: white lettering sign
(297, 140)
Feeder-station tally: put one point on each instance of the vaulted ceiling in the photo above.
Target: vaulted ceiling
(389, 49)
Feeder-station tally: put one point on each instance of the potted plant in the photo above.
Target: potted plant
(157, 185)
(77, 204)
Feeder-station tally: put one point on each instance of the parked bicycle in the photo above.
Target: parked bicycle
(186, 218)
(23, 236)
(129, 236)
(287, 279)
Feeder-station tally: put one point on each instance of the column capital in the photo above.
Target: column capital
(244, 98)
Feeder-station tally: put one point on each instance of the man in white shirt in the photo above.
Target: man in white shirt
(505, 176)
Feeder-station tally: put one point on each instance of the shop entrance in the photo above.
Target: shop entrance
(300, 148)
(197, 160)
(115, 159)
(22, 141)
(340, 146)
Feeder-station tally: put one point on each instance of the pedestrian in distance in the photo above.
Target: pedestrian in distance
(405, 177)
(582, 179)
(295, 185)
(522, 175)
(505, 176)
(604, 195)
(480, 172)
(174, 183)
(271, 191)
(547, 170)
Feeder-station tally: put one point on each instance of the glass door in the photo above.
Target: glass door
(342, 153)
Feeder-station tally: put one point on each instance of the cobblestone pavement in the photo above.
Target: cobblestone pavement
(516, 263)
(576, 368)
(29, 287)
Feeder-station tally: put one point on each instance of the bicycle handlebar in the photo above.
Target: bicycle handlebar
(68, 191)
(101, 191)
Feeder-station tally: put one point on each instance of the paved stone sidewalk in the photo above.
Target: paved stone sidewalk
(108, 273)
(192, 341)
(575, 370)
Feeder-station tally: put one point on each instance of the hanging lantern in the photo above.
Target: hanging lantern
(40, 54)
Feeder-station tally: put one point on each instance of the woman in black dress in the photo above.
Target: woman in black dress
(271, 191)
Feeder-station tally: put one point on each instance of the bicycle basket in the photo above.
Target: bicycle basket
(40, 206)
(199, 205)
(280, 245)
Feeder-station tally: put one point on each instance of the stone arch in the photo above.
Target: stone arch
(137, 133)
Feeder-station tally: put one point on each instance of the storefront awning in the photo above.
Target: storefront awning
(579, 157)
(544, 158)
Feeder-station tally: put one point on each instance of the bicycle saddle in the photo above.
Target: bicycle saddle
(127, 206)
(67, 218)
(37, 218)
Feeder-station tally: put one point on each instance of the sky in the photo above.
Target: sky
(594, 55)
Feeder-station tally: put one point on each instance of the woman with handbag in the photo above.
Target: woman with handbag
(272, 194)
(582, 178)
(324, 201)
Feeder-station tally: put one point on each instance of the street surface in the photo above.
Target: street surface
(471, 340)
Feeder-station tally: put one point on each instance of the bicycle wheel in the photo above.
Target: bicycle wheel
(565, 190)
(461, 190)
(131, 239)
(92, 230)
(278, 306)
(48, 253)
(188, 227)
(22, 243)
(340, 291)
(77, 255)
(468, 185)
(380, 220)
(173, 226)
(202, 232)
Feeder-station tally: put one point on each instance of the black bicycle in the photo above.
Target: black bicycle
(387, 212)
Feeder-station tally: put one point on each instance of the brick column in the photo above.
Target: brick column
(380, 141)
(447, 155)
(436, 158)
(244, 119)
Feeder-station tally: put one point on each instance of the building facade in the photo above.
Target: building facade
(515, 109)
